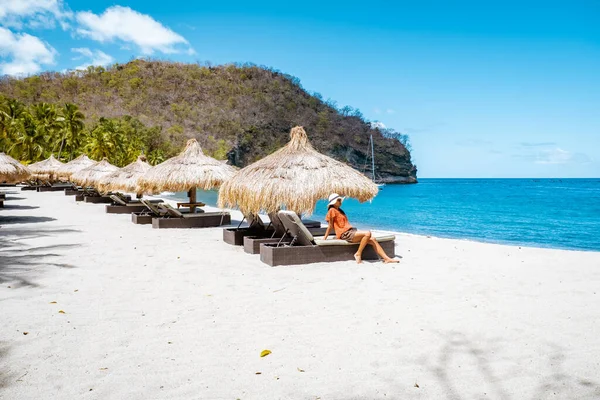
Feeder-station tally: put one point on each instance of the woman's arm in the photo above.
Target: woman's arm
(327, 232)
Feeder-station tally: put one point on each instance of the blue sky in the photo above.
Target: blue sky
(504, 90)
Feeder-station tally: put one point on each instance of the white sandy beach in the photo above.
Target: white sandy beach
(178, 314)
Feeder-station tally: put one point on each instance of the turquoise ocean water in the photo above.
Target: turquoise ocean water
(557, 213)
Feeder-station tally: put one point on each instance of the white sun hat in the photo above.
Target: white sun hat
(333, 197)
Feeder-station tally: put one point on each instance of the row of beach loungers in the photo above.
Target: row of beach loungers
(283, 240)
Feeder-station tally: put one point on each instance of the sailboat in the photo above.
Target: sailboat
(379, 183)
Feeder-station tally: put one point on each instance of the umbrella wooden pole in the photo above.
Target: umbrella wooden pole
(192, 197)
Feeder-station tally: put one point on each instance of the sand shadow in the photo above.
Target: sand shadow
(25, 219)
(555, 380)
(19, 263)
(9, 206)
(5, 377)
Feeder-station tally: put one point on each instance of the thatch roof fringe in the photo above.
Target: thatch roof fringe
(92, 175)
(81, 162)
(47, 169)
(294, 177)
(190, 169)
(126, 179)
(12, 171)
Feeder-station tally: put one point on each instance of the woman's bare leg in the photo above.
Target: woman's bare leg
(386, 259)
(363, 237)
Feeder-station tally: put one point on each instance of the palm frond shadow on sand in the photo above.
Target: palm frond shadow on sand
(550, 381)
(19, 263)
(471, 368)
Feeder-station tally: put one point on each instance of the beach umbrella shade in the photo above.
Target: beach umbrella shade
(73, 166)
(12, 171)
(126, 179)
(188, 171)
(92, 175)
(294, 177)
(47, 169)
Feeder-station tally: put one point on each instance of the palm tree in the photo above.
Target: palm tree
(156, 156)
(4, 129)
(105, 141)
(47, 121)
(12, 113)
(72, 126)
(30, 141)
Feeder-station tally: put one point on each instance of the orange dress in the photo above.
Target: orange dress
(338, 220)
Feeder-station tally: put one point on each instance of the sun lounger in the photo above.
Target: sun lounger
(252, 242)
(256, 227)
(86, 192)
(176, 219)
(258, 232)
(73, 191)
(121, 206)
(190, 205)
(97, 199)
(127, 200)
(304, 248)
(152, 210)
(92, 196)
(59, 187)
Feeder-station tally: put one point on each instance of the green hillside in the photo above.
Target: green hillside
(239, 112)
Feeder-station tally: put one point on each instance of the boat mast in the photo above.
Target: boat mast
(372, 157)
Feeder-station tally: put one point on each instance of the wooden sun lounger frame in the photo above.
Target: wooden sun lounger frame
(302, 249)
(97, 199)
(86, 192)
(120, 206)
(258, 232)
(256, 227)
(176, 219)
(252, 242)
(54, 188)
(73, 191)
(150, 211)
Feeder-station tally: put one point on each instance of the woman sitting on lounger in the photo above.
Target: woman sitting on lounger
(337, 219)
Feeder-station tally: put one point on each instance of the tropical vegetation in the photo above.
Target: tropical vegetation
(241, 112)
(32, 133)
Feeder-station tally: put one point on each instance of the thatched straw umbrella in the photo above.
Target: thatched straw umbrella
(126, 179)
(73, 166)
(188, 171)
(92, 175)
(12, 171)
(46, 169)
(295, 177)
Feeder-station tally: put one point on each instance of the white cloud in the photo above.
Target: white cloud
(34, 13)
(377, 125)
(94, 57)
(390, 111)
(126, 25)
(560, 156)
(23, 54)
